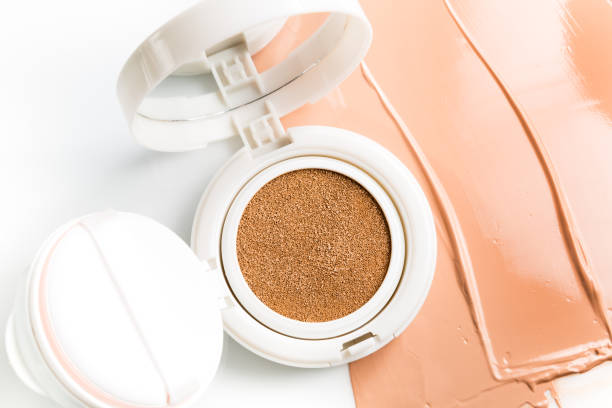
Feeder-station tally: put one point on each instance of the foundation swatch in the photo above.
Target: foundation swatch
(562, 360)
(509, 109)
(570, 114)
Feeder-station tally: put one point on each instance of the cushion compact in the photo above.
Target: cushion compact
(312, 246)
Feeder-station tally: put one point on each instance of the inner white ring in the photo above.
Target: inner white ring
(295, 328)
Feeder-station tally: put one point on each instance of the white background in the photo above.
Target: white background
(66, 151)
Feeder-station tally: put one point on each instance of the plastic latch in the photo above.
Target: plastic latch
(209, 264)
(263, 132)
(359, 344)
(240, 83)
(236, 75)
(224, 298)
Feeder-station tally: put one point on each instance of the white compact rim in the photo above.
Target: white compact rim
(283, 324)
(308, 73)
(413, 209)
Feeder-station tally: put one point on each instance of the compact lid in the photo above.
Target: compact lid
(125, 313)
(216, 38)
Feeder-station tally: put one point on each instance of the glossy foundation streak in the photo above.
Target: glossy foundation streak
(560, 363)
(556, 350)
(510, 141)
(465, 269)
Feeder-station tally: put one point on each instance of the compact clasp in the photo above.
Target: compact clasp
(240, 83)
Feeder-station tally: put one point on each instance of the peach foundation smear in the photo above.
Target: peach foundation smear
(537, 300)
(509, 108)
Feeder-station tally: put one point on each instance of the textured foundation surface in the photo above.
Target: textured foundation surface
(313, 245)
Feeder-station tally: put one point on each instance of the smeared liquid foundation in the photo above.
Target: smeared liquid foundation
(569, 228)
(523, 157)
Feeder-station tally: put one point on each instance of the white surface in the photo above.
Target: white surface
(591, 389)
(67, 151)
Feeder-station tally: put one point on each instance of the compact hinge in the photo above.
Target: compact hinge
(263, 132)
(360, 344)
(239, 86)
(235, 74)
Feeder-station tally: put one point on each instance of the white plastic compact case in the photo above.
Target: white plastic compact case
(116, 311)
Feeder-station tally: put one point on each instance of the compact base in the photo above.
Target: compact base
(364, 331)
